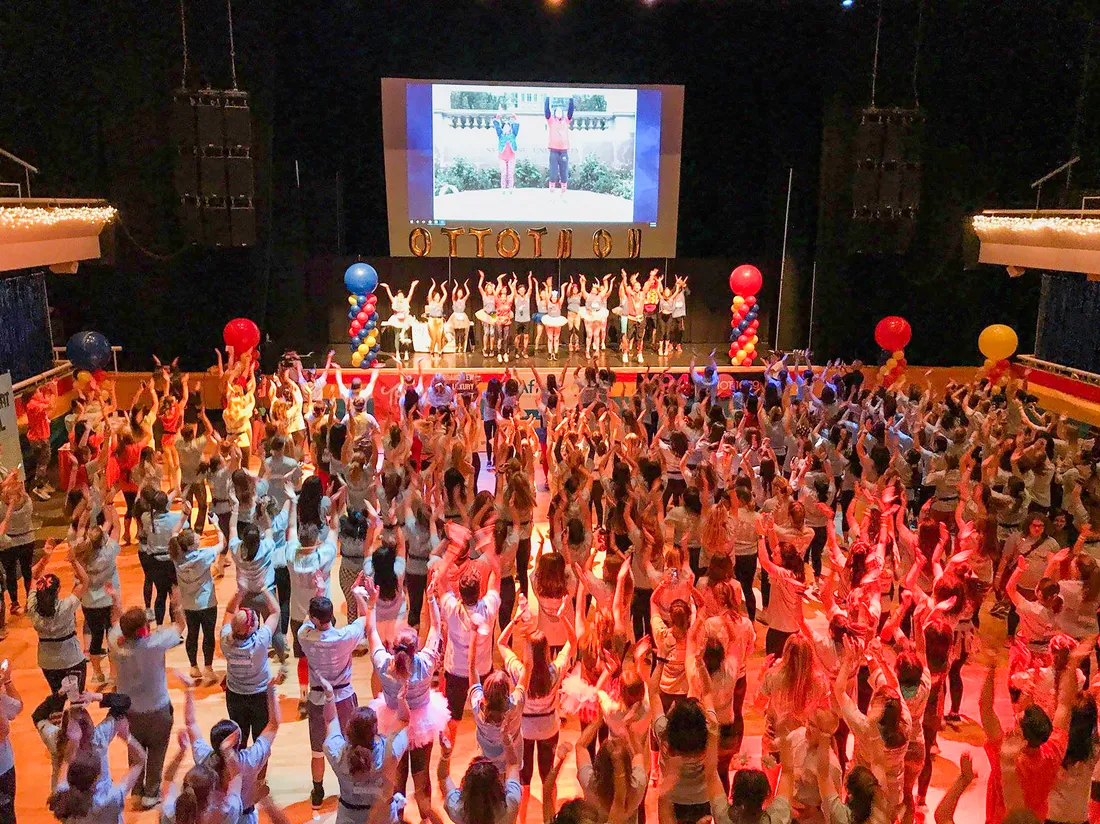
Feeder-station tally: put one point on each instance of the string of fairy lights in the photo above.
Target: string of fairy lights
(25, 218)
(1074, 226)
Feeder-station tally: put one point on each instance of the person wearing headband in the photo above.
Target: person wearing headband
(246, 638)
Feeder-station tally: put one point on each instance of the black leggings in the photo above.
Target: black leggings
(7, 797)
(201, 619)
(507, 598)
(146, 561)
(744, 570)
(955, 681)
(162, 572)
(546, 748)
(523, 562)
(248, 711)
(282, 593)
(17, 561)
(416, 585)
(490, 433)
(639, 611)
(813, 551)
(96, 622)
(54, 677)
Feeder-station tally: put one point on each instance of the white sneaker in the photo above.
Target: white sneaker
(506, 359)
(640, 358)
(626, 357)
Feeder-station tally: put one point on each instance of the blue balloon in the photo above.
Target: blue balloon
(88, 350)
(352, 313)
(361, 278)
(371, 323)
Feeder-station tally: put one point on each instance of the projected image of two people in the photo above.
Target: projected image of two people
(533, 153)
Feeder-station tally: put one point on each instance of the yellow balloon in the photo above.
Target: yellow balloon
(998, 342)
(356, 359)
(989, 363)
(898, 355)
(754, 340)
(363, 349)
(738, 301)
(890, 364)
(739, 358)
(352, 300)
(749, 347)
(370, 341)
(83, 377)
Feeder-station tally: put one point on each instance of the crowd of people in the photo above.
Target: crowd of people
(859, 539)
(516, 314)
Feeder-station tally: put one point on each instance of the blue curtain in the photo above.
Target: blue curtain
(24, 326)
(1069, 322)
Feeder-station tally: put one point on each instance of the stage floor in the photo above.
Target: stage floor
(476, 362)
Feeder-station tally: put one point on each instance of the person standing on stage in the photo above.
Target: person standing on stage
(522, 315)
(433, 311)
(459, 321)
(507, 127)
(557, 125)
(487, 314)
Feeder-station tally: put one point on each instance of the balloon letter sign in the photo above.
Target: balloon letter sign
(361, 280)
(745, 282)
(893, 334)
(998, 343)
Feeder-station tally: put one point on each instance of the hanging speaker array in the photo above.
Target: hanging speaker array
(212, 137)
(886, 180)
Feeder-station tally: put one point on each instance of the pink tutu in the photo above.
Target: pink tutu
(425, 723)
(577, 695)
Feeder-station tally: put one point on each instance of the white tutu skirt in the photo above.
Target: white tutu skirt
(577, 695)
(459, 320)
(555, 321)
(397, 322)
(485, 317)
(425, 723)
(596, 315)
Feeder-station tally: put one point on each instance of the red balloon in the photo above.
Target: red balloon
(371, 301)
(737, 317)
(746, 280)
(355, 327)
(100, 375)
(352, 332)
(742, 340)
(751, 300)
(242, 334)
(754, 325)
(893, 333)
(362, 317)
(733, 323)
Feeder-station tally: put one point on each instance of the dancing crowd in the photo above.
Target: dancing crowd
(831, 552)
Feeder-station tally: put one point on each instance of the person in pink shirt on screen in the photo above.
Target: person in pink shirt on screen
(558, 123)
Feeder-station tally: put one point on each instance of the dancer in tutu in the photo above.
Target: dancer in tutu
(459, 321)
(433, 311)
(401, 319)
(595, 314)
(553, 321)
(405, 671)
(522, 316)
(487, 314)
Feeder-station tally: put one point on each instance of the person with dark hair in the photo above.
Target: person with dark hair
(60, 653)
(486, 794)
(465, 614)
(328, 654)
(228, 754)
(17, 536)
(1041, 754)
(158, 527)
(11, 704)
(138, 654)
(81, 796)
(195, 582)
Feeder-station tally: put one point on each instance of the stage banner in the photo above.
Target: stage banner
(10, 453)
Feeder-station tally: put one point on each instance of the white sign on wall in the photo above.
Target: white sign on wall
(10, 454)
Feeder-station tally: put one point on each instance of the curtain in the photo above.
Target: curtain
(24, 326)
(1069, 322)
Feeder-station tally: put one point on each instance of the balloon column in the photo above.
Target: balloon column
(998, 343)
(89, 352)
(745, 282)
(361, 280)
(893, 334)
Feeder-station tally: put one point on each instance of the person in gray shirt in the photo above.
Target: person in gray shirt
(138, 655)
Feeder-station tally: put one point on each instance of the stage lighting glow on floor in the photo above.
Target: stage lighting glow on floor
(847, 3)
